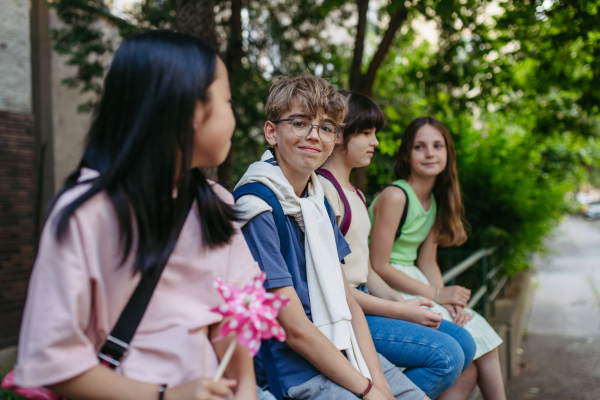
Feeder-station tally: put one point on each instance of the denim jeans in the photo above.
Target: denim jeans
(322, 388)
(433, 358)
(264, 394)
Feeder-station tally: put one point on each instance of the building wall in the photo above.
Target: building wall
(17, 180)
(15, 56)
(17, 219)
(37, 154)
(69, 126)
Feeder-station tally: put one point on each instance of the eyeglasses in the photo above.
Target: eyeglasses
(302, 128)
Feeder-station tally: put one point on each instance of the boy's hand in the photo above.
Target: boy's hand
(201, 389)
(375, 394)
(382, 386)
(415, 313)
(455, 295)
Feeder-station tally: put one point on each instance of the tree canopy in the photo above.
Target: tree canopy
(516, 82)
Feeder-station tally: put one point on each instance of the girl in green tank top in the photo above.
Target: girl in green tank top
(404, 332)
(427, 188)
(417, 226)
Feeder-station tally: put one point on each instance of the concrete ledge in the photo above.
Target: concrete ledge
(509, 321)
(513, 313)
(503, 331)
(8, 358)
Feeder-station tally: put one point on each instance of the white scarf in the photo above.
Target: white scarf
(329, 308)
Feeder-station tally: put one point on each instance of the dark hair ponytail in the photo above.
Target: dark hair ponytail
(141, 141)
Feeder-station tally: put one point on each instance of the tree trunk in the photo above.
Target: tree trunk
(396, 21)
(233, 59)
(363, 83)
(234, 48)
(197, 18)
(356, 74)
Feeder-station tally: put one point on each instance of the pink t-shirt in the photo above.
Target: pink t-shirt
(78, 289)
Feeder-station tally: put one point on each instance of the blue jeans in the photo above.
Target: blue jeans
(322, 388)
(264, 394)
(433, 358)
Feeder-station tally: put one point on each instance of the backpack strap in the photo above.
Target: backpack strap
(273, 382)
(117, 343)
(360, 194)
(404, 213)
(263, 192)
(259, 190)
(347, 218)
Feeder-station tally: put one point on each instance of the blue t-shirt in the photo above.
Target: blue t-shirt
(263, 240)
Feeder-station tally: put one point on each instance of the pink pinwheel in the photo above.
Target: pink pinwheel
(254, 315)
(34, 393)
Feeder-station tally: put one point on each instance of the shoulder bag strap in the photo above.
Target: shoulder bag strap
(360, 194)
(404, 213)
(118, 341)
(263, 192)
(347, 218)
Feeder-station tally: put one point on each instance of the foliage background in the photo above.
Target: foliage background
(516, 82)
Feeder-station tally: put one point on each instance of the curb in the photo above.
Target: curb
(510, 320)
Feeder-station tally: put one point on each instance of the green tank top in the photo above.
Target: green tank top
(415, 230)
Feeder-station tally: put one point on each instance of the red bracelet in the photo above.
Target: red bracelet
(367, 390)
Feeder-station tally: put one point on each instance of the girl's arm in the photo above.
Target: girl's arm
(307, 340)
(388, 210)
(102, 383)
(386, 302)
(240, 367)
(427, 263)
(378, 287)
(427, 258)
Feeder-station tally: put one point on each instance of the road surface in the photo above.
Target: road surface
(561, 352)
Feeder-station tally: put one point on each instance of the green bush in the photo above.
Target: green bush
(9, 394)
(515, 179)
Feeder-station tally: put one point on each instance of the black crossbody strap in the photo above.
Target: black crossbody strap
(404, 212)
(118, 341)
(404, 216)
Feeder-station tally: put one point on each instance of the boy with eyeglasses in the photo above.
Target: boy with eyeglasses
(291, 232)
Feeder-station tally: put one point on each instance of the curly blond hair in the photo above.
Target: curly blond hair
(314, 95)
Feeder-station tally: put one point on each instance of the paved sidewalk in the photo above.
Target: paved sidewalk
(561, 352)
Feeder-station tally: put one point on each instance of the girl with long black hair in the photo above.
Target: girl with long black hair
(164, 112)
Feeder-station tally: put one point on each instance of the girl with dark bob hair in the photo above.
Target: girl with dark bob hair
(136, 201)
(434, 351)
(403, 248)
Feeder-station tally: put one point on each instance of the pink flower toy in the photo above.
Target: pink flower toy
(33, 393)
(254, 316)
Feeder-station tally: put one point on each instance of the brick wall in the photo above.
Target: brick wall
(17, 219)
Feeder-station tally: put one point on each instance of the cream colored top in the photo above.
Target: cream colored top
(356, 267)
